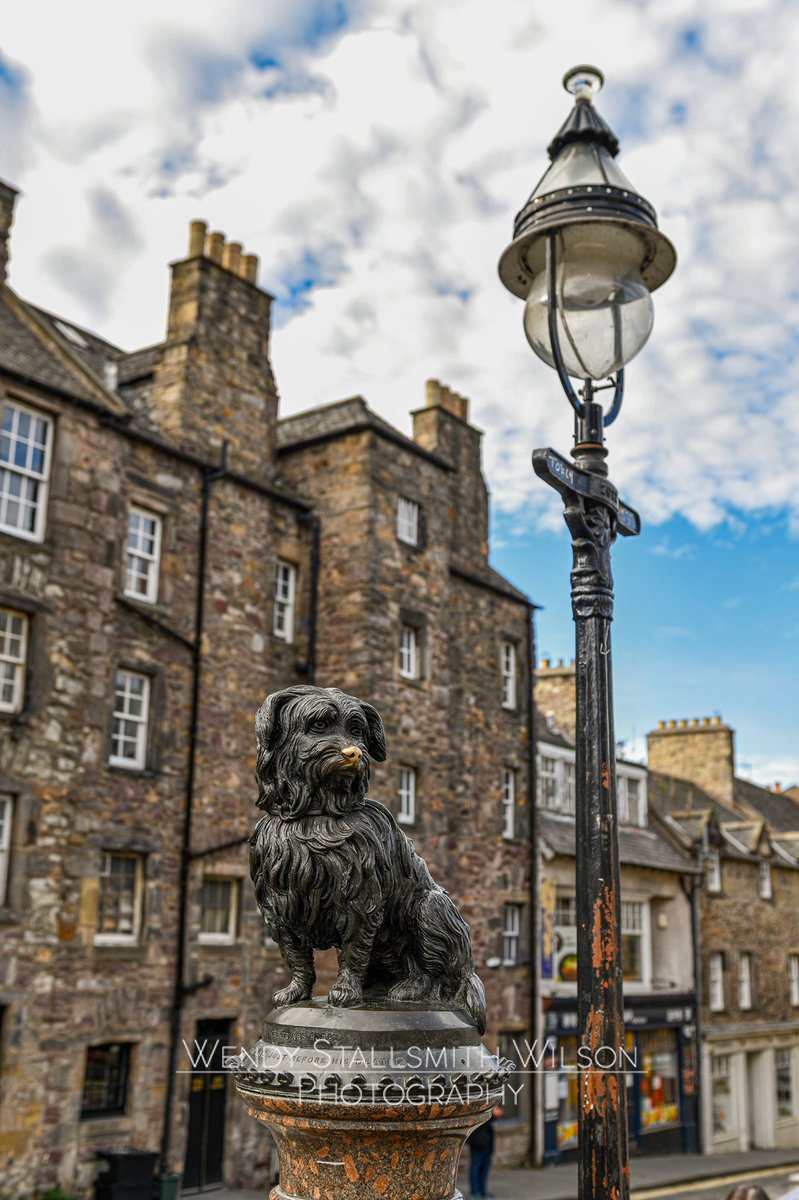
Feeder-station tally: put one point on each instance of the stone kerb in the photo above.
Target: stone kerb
(370, 1101)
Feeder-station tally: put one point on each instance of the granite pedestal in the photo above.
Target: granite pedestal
(374, 1101)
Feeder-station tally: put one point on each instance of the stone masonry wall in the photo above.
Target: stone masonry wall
(449, 724)
(738, 919)
(60, 992)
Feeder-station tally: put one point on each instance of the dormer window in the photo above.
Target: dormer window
(765, 879)
(631, 799)
(556, 784)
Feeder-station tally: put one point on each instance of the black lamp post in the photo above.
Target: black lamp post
(585, 255)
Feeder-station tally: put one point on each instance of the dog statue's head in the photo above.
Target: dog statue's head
(314, 750)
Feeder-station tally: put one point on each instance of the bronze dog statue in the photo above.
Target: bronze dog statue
(332, 868)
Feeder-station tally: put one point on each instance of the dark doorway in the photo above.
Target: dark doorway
(207, 1101)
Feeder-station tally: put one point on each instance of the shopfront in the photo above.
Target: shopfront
(660, 1069)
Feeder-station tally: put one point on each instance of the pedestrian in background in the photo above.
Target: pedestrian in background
(481, 1148)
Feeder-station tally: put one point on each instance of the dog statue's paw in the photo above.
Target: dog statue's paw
(297, 990)
(414, 987)
(346, 991)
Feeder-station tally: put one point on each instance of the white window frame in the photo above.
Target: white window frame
(406, 813)
(407, 521)
(6, 826)
(228, 937)
(745, 980)
(138, 761)
(409, 651)
(783, 1061)
(508, 673)
(511, 934)
(764, 884)
(18, 663)
(624, 778)
(285, 600)
(151, 561)
(508, 803)
(41, 479)
(716, 997)
(721, 1069)
(116, 938)
(793, 978)
(556, 764)
(641, 928)
(713, 871)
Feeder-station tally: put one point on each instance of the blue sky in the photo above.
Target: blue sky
(374, 153)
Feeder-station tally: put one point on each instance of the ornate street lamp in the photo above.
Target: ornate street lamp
(585, 256)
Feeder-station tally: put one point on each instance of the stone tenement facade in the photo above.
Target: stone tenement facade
(747, 839)
(170, 553)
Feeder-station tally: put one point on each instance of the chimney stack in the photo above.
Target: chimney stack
(8, 196)
(214, 382)
(701, 751)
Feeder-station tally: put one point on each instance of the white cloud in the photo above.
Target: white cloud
(384, 160)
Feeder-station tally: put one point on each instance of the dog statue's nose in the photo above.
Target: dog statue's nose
(352, 754)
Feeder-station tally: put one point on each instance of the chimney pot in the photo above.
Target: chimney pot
(778, 787)
(433, 392)
(214, 246)
(248, 267)
(197, 232)
(231, 257)
(661, 724)
(545, 663)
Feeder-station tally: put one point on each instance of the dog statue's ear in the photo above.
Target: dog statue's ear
(376, 744)
(267, 719)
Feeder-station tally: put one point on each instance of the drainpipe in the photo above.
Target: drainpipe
(696, 934)
(209, 476)
(536, 1107)
(696, 892)
(314, 525)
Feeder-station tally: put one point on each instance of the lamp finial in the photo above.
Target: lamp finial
(583, 82)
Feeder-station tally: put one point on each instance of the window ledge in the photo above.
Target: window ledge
(132, 772)
(120, 950)
(116, 1122)
(219, 940)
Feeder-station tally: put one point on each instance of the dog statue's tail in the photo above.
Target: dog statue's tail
(471, 995)
(445, 955)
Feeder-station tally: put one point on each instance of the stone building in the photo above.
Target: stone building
(170, 552)
(657, 878)
(747, 840)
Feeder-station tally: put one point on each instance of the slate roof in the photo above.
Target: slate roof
(24, 353)
(649, 847)
(95, 351)
(780, 810)
(343, 416)
(139, 364)
(547, 731)
(737, 836)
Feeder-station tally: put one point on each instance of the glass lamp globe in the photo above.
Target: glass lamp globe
(604, 311)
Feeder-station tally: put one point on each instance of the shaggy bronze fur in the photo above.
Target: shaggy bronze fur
(332, 868)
